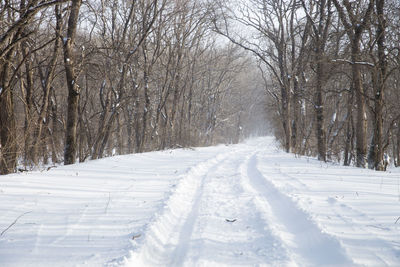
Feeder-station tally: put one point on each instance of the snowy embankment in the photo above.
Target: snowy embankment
(244, 204)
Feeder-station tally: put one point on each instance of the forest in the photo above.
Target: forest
(86, 79)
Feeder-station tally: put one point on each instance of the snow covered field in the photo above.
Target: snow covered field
(239, 205)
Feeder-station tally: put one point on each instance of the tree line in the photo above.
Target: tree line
(84, 79)
(331, 70)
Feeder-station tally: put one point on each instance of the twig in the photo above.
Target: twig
(108, 202)
(48, 168)
(136, 236)
(14, 222)
(397, 220)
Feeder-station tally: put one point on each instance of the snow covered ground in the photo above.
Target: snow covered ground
(240, 205)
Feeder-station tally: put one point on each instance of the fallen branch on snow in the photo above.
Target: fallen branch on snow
(136, 236)
(14, 222)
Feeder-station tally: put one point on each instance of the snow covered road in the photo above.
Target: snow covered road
(242, 205)
(211, 220)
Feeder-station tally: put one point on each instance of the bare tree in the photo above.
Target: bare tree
(379, 77)
(71, 78)
(355, 19)
(320, 34)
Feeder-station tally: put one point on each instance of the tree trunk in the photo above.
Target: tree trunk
(398, 146)
(146, 108)
(286, 122)
(129, 128)
(286, 104)
(296, 118)
(73, 88)
(105, 101)
(54, 137)
(348, 147)
(28, 95)
(379, 88)
(319, 110)
(361, 126)
(8, 132)
(119, 133)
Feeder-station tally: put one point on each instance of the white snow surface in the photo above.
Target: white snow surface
(239, 205)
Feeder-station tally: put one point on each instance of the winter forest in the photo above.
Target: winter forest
(86, 79)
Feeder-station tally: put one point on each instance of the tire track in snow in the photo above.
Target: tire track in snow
(166, 240)
(298, 232)
(73, 226)
(380, 252)
(38, 238)
(245, 240)
(182, 247)
(193, 230)
(377, 247)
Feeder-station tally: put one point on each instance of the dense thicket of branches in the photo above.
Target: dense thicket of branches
(88, 79)
(331, 69)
